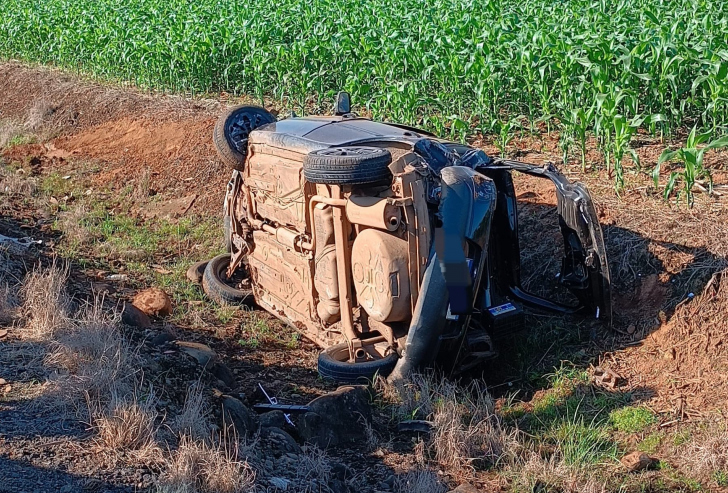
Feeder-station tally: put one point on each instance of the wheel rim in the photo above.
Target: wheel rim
(374, 352)
(244, 122)
(349, 151)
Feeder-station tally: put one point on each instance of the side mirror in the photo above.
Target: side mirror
(343, 104)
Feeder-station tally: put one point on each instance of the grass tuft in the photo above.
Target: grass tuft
(199, 467)
(46, 304)
(632, 419)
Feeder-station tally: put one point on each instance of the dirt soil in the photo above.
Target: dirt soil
(667, 341)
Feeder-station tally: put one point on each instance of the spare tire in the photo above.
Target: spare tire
(233, 129)
(348, 166)
(219, 289)
(333, 364)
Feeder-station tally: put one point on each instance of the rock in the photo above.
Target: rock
(337, 417)
(223, 373)
(133, 316)
(280, 441)
(341, 472)
(204, 355)
(273, 419)
(154, 302)
(279, 483)
(637, 461)
(162, 338)
(236, 413)
(465, 488)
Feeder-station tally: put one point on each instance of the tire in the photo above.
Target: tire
(348, 166)
(215, 287)
(196, 271)
(232, 130)
(332, 365)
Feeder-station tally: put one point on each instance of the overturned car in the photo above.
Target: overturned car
(390, 248)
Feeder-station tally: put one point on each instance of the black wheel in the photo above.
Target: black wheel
(196, 271)
(333, 364)
(226, 291)
(348, 166)
(232, 130)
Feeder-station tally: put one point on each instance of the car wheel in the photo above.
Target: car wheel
(219, 289)
(348, 166)
(232, 130)
(333, 364)
(196, 271)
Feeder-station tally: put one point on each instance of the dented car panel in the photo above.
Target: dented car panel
(401, 246)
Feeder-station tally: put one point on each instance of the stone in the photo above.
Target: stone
(637, 461)
(162, 338)
(201, 352)
(273, 419)
(154, 302)
(239, 415)
(279, 483)
(223, 373)
(337, 417)
(134, 317)
(465, 488)
(280, 441)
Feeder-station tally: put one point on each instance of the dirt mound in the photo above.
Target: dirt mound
(126, 133)
(685, 362)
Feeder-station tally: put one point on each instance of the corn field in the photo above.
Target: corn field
(455, 66)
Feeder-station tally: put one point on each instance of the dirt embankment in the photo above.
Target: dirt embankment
(127, 133)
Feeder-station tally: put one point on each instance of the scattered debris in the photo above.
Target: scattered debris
(154, 302)
(274, 402)
(17, 246)
(415, 426)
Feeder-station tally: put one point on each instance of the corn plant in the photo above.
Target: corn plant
(439, 62)
(690, 158)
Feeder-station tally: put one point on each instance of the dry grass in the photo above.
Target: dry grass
(127, 422)
(314, 467)
(16, 183)
(197, 467)
(46, 304)
(8, 303)
(419, 481)
(71, 223)
(9, 131)
(467, 434)
(192, 420)
(708, 457)
(96, 360)
(533, 472)
(142, 186)
(39, 116)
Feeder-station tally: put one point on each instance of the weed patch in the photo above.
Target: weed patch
(632, 419)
